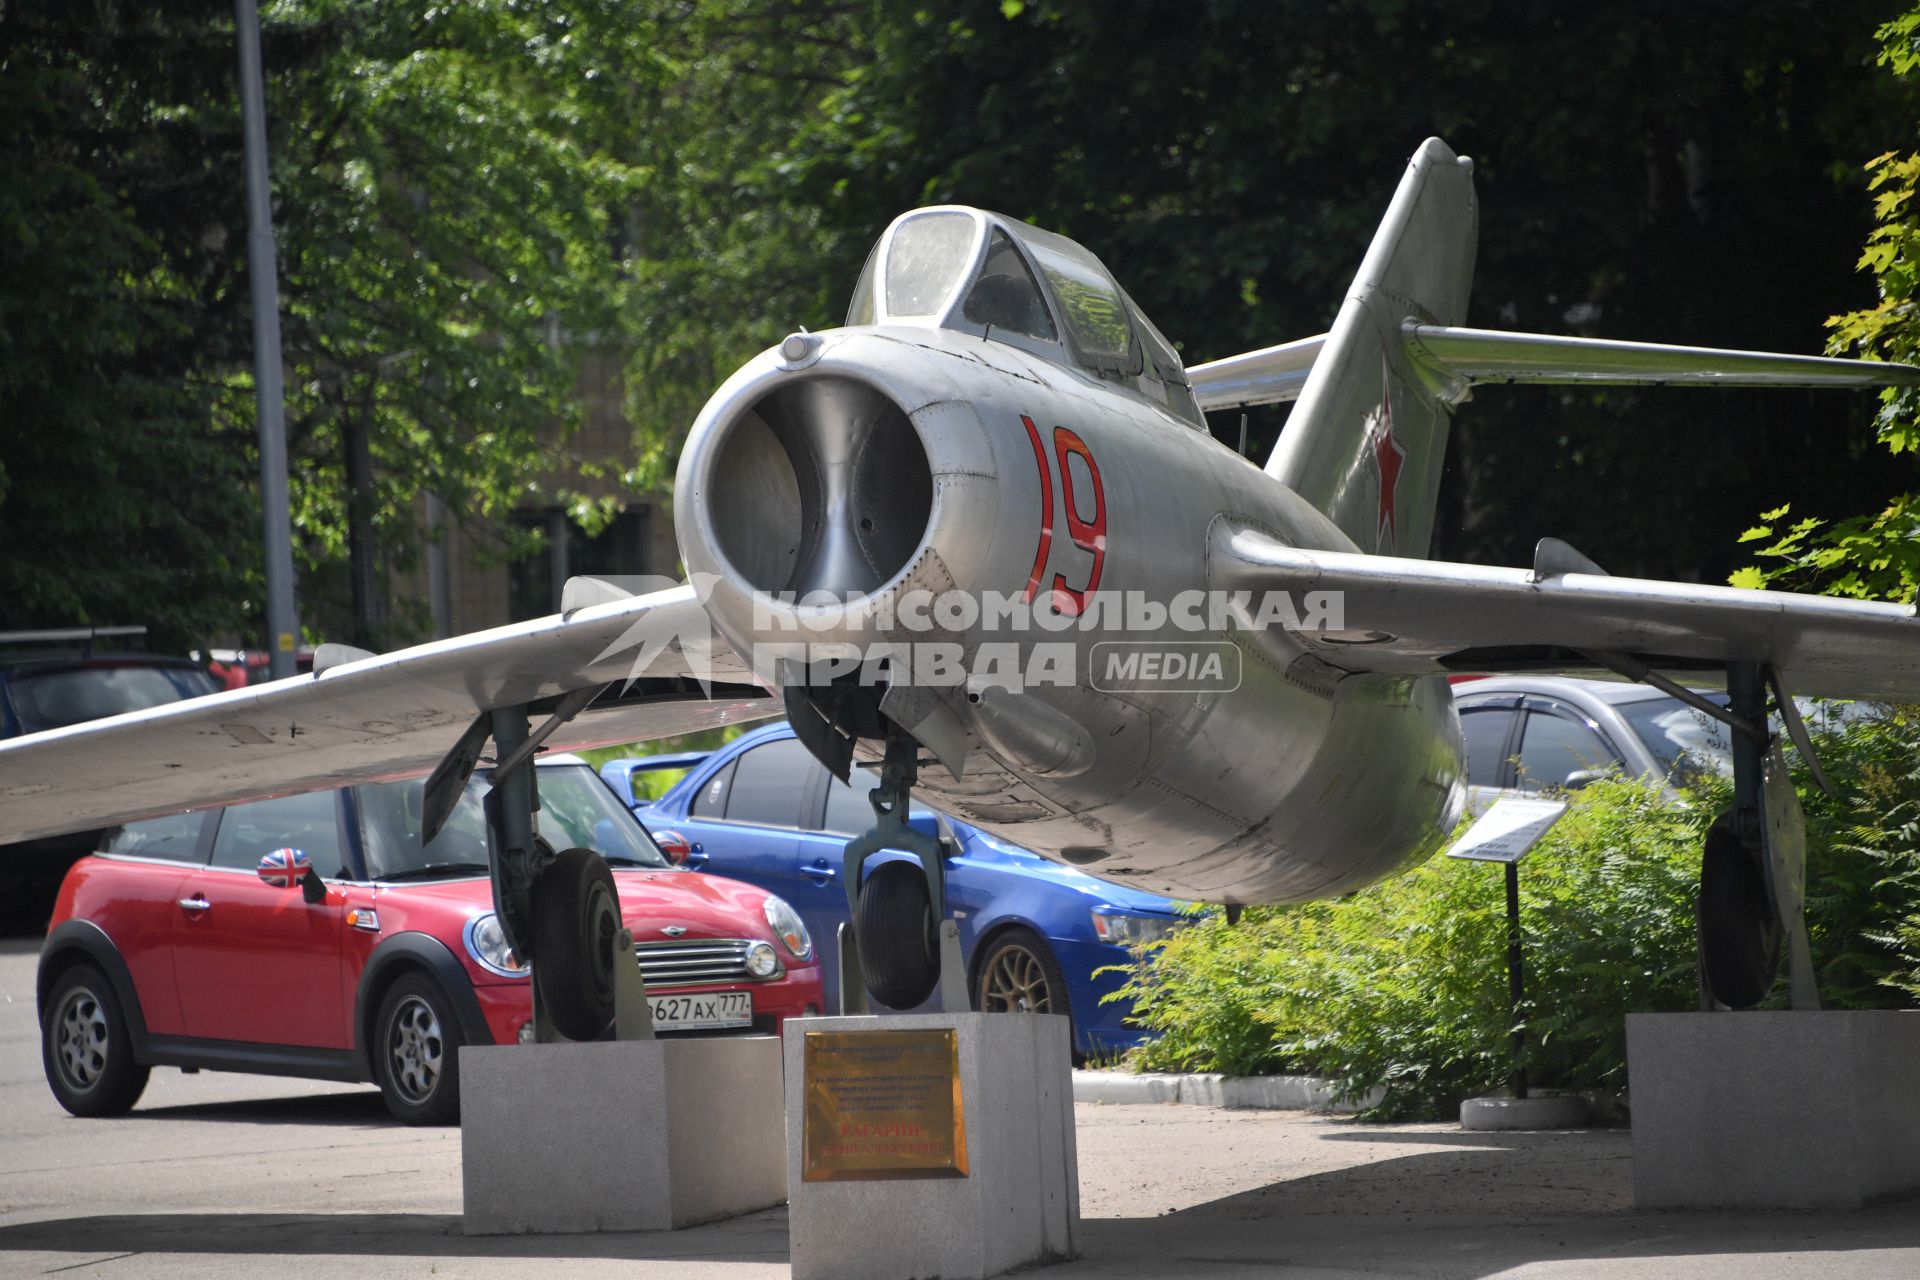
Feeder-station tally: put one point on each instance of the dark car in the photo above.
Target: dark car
(51, 679)
(1036, 935)
(192, 941)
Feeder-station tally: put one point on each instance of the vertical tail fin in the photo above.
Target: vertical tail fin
(1367, 439)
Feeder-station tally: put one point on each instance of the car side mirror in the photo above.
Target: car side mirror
(1581, 777)
(284, 868)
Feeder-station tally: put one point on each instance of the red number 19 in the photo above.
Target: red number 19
(1089, 533)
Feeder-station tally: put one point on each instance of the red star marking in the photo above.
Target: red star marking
(1389, 456)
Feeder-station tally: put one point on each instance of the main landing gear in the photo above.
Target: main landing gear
(560, 911)
(1753, 868)
(1752, 898)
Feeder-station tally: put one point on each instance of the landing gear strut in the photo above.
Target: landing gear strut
(560, 911)
(1753, 868)
(900, 945)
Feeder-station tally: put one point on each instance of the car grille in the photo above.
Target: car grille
(679, 964)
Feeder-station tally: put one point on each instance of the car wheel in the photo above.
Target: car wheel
(1019, 975)
(899, 947)
(417, 1052)
(85, 1047)
(576, 942)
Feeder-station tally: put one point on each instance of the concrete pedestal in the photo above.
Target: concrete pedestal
(1018, 1206)
(636, 1135)
(1774, 1110)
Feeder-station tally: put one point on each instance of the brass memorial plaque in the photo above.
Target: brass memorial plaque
(882, 1104)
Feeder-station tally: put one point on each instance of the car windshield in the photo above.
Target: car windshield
(68, 695)
(1690, 745)
(576, 809)
(1686, 743)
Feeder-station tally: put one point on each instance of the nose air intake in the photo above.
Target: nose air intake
(821, 485)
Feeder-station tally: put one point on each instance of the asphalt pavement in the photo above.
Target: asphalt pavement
(222, 1175)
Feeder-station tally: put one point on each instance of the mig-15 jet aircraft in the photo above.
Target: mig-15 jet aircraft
(982, 537)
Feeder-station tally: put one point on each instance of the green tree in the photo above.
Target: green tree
(450, 187)
(1875, 555)
(1667, 174)
(118, 501)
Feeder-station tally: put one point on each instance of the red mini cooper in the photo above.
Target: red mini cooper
(191, 942)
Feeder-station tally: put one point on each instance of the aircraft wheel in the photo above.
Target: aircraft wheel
(899, 944)
(85, 1048)
(576, 942)
(1739, 934)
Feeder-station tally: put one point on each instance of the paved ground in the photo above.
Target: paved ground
(245, 1176)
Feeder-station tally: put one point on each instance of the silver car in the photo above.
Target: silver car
(1534, 733)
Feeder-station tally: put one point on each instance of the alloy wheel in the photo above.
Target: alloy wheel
(80, 1044)
(415, 1048)
(1016, 983)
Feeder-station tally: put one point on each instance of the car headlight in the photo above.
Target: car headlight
(1132, 931)
(487, 944)
(786, 922)
(761, 960)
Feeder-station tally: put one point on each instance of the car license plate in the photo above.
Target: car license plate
(715, 1009)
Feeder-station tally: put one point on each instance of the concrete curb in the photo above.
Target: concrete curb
(1266, 1093)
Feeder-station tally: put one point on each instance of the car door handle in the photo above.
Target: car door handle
(195, 903)
(819, 871)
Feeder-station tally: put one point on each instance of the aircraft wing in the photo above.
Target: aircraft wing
(391, 716)
(1426, 617)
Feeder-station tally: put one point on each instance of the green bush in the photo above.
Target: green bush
(1402, 986)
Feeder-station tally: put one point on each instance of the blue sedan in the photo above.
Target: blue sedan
(1035, 934)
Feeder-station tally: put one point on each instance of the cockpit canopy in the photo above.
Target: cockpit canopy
(952, 267)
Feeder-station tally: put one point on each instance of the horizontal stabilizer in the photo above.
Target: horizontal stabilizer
(1455, 360)
(1266, 376)
(1471, 357)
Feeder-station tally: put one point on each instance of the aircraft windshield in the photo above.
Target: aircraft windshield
(925, 261)
(1005, 296)
(1089, 299)
(576, 809)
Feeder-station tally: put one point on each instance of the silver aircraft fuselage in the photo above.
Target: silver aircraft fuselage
(872, 463)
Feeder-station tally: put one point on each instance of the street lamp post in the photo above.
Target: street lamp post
(283, 626)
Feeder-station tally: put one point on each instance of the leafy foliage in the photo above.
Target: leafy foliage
(1402, 987)
(118, 503)
(447, 181)
(1684, 176)
(1875, 555)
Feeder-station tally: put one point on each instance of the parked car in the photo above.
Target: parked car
(1533, 733)
(184, 943)
(51, 679)
(1526, 734)
(1034, 934)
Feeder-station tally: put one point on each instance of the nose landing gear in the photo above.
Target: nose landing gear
(901, 946)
